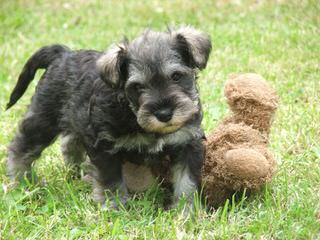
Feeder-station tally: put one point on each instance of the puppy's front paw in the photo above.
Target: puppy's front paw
(24, 179)
(114, 203)
(185, 205)
(110, 198)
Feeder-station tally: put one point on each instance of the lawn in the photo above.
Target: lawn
(278, 39)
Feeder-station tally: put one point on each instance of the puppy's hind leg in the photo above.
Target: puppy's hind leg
(35, 133)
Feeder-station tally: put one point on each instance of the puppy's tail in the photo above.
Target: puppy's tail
(40, 59)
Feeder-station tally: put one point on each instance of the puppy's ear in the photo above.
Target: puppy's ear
(112, 64)
(196, 45)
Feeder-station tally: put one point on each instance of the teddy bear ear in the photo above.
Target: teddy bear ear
(250, 87)
(197, 43)
(111, 64)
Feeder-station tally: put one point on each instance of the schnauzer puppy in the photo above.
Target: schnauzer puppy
(137, 101)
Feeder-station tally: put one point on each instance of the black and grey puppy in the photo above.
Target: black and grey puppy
(136, 101)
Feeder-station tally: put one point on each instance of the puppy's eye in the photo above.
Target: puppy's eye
(176, 76)
(138, 87)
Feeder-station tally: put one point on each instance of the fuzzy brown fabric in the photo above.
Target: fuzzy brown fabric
(236, 151)
(251, 100)
(138, 178)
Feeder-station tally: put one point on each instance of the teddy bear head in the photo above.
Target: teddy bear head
(251, 100)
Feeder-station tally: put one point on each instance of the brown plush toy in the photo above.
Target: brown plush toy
(236, 151)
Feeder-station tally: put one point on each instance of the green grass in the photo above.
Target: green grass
(277, 39)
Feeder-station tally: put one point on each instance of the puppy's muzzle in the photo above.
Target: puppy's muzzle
(167, 118)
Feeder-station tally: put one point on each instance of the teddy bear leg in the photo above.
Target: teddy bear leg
(246, 168)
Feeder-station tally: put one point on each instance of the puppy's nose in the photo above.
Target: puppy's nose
(164, 114)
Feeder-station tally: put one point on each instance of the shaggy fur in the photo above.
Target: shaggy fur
(137, 101)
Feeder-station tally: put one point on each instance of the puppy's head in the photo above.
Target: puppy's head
(157, 71)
